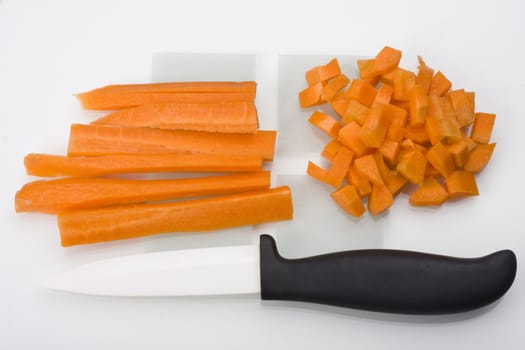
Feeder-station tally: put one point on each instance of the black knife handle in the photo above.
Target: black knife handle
(387, 280)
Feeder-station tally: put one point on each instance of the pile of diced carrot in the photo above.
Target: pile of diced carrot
(393, 127)
(209, 128)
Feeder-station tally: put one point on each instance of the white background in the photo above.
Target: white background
(52, 49)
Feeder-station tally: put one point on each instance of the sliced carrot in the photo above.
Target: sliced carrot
(53, 165)
(380, 199)
(392, 179)
(429, 193)
(349, 136)
(418, 104)
(404, 82)
(311, 96)
(316, 172)
(479, 157)
(412, 166)
(367, 166)
(337, 172)
(360, 182)
(441, 159)
(125, 96)
(462, 106)
(439, 85)
(461, 183)
(129, 221)
(424, 76)
(323, 73)
(331, 149)
(384, 94)
(325, 123)
(348, 199)
(55, 196)
(334, 86)
(386, 60)
(95, 140)
(229, 117)
(459, 152)
(362, 91)
(355, 111)
(390, 151)
(482, 127)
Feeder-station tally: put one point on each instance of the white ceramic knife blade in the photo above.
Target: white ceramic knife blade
(204, 271)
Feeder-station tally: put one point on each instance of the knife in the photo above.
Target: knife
(394, 281)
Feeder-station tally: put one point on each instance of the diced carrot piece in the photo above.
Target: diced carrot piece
(53, 165)
(395, 114)
(444, 130)
(441, 159)
(384, 94)
(339, 103)
(418, 134)
(431, 171)
(361, 183)
(374, 128)
(418, 105)
(362, 65)
(362, 91)
(439, 85)
(348, 199)
(390, 151)
(396, 132)
(380, 199)
(471, 96)
(461, 183)
(325, 123)
(138, 220)
(482, 127)
(97, 140)
(404, 81)
(429, 193)
(323, 73)
(55, 196)
(462, 106)
(479, 157)
(392, 179)
(334, 86)
(388, 78)
(339, 168)
(412, 166)
(471, 144)
(424, 76)
(316, 172)
(355, 111)
(311, 96)
(349, 136)
(367, 166)
(331, 149)
(459, 152)
(386, 60)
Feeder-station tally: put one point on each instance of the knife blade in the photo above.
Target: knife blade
(381, 280)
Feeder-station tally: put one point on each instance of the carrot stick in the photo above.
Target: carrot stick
(229, 117)
(56, 196)
(96, 140)
(124, 96)
(53, 165)
(129, 221)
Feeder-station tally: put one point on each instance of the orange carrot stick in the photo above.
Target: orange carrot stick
(124, 96)
(129, 221)
(95, 140)
(53, 165)
(56, 196)
(229, 117)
